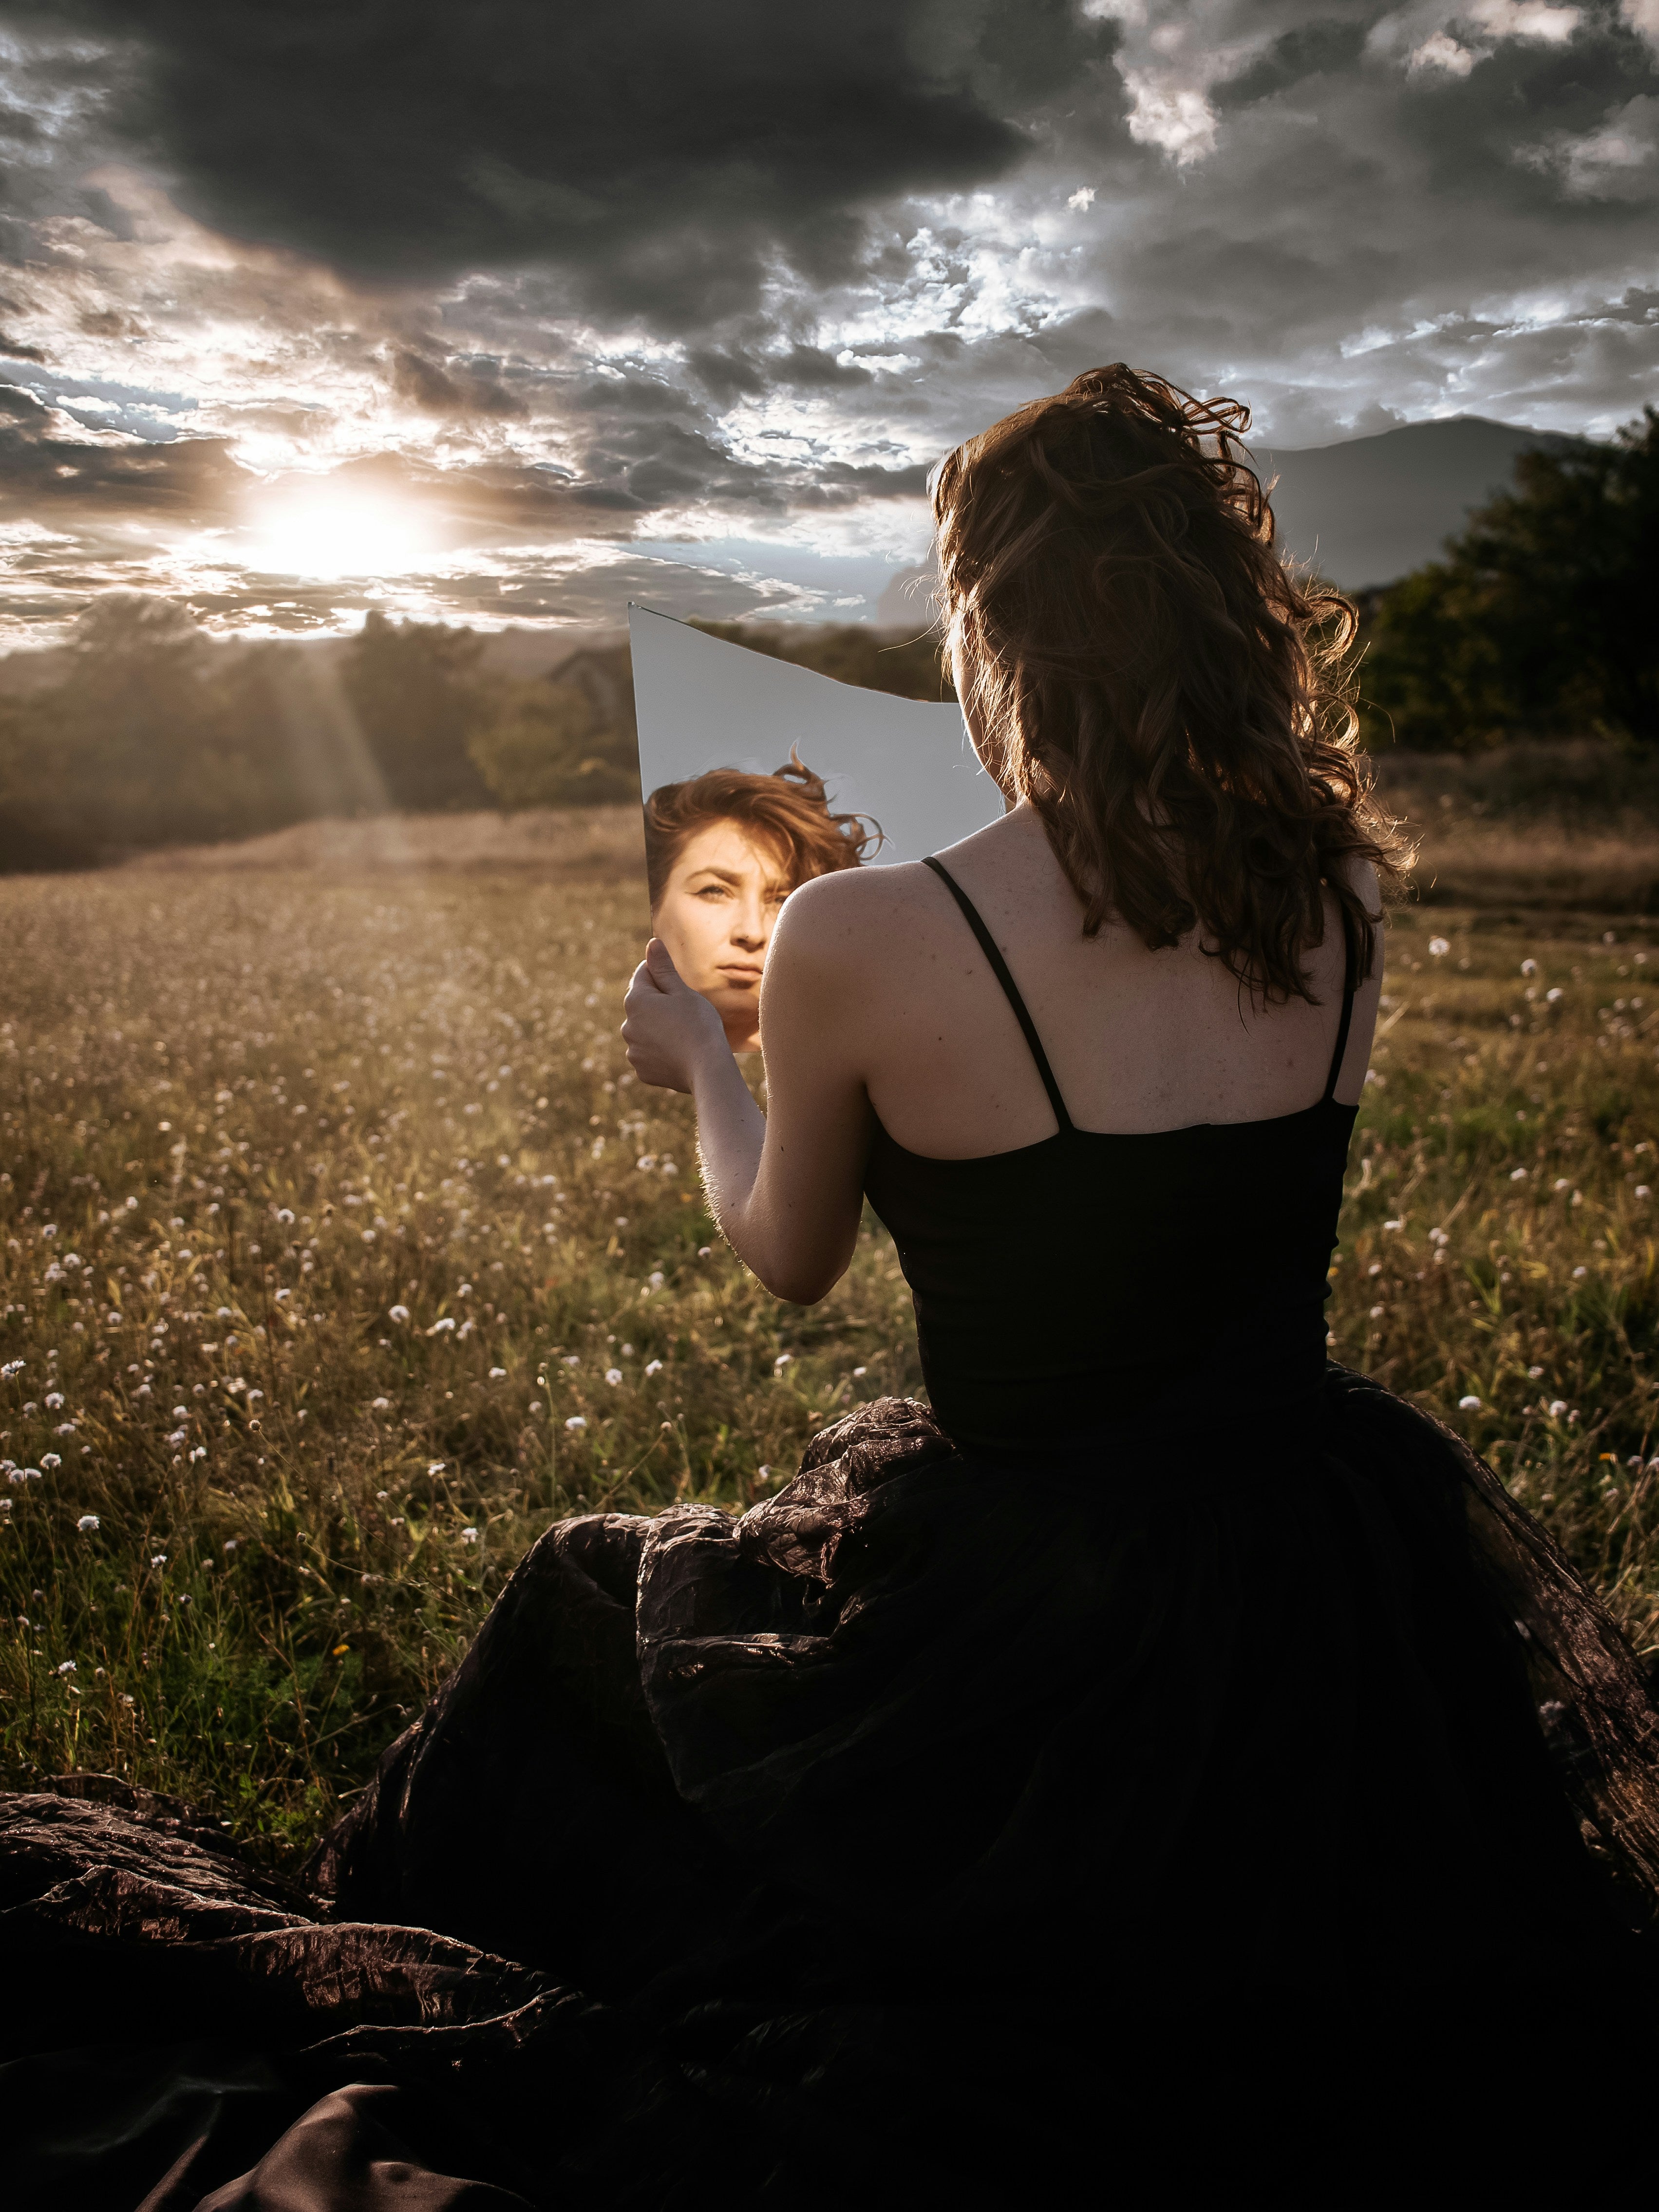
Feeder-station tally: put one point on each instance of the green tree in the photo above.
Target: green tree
(547, 742)
(418, 694)
(1539, 622)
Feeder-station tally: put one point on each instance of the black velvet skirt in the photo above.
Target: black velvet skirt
(1209, 1800)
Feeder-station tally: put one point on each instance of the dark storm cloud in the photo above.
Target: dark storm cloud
(49, 466)
(661, 152)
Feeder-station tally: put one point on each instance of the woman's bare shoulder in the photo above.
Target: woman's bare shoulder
(857, 909)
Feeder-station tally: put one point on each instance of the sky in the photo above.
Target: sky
(507, 312)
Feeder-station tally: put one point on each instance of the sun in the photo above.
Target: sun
(328, 535)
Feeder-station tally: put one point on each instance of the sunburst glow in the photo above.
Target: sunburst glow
(336, 534)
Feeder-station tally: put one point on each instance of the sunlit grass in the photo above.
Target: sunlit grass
(342, 1254)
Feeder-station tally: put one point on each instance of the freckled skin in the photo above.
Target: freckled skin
(716, 916)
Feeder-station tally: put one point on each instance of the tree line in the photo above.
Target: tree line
(143, 733)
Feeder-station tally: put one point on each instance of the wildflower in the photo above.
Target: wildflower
(468, 1535)
(1562, 1183)
(1558, 1407)
(281, 1295)
(1377, 1312)
(576, 1422)
(434, 1467)
(858, 1371)
(50, 1460)
(54, 1400)
(1394, 1225)
(230, 1546)
(13, 1367)
(654, 1367)
(571, 1359)
(1517, 1174)
(158, 1558)
(498, 1374)
(87, 1523)
(1528, 967)
(705, 1251)
(1438, 1236)
(1553, 996)
(284, 1214)
(1642, 1190)
(439, 1327)
(368, 1236)
(656, 1278)
(181, 1412)
(613, 1375)
(379, 1405)
(781, 1362)
(1532, 1374)
(465, 1329)
(1438, 948)
(1468, 1404)
(399, 1314)
(1578, 1272)
(66, 1668)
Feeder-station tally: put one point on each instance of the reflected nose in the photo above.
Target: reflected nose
(749, 927)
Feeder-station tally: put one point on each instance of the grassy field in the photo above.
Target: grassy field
(342, 1254)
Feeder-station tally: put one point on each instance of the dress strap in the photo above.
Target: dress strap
(988, 945)
(1341, 1045)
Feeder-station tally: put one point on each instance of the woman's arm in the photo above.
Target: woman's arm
(787, 1187)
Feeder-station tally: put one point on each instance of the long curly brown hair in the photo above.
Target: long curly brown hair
(1147, 671)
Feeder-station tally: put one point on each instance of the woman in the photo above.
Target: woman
(723, 851)
(1126, 1772)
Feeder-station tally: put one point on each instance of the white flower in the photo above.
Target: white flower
(1517, 1174)
(1394, 1225)
(230, 1544)
(1377, 1312)
(1551, 996)
(368, 1236)
(158, 1558)
(654, 1367)
(1532, 1373)
(54, 1400)
(576, 1422)
(781, 1362)
(13, 1367)
(571, 1359)
(280, 1295)
(87, 1523)
(439, 1327)
(468, 1535)
(1561, 1183)
(1438, 947)
(1528, 967)
(399, 1314)
(497, 1374)
(1558, 1407)
(704, 1251)
(858, 1371)
(1643, 1191)
(1467, 1405)
(1578, 1272)
(284, 1215)
(67, 1667)
(434, 1467)
(613, 1375)
(656, 1278)
(380, 1404)
(1438, 1236)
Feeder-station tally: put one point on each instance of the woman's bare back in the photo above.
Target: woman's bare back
(1138, 1040)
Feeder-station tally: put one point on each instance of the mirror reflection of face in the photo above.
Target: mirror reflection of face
(716, 916)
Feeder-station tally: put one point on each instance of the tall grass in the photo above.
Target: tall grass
(342, 1254)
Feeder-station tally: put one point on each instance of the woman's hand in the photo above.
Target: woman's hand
(670, 1030)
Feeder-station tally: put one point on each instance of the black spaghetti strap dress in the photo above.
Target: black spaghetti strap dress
(1126, 1772)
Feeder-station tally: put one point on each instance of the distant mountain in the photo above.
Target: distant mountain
(1363, 512)
(1366, 511)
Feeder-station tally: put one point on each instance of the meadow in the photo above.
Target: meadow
(340, 1254)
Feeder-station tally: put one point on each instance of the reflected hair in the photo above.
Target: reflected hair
(788, 810)
(1150, 675)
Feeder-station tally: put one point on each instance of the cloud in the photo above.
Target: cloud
(663, 155)
(460, 267)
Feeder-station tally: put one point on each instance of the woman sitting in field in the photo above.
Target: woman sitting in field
(1129, 1765)
(722, 853)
